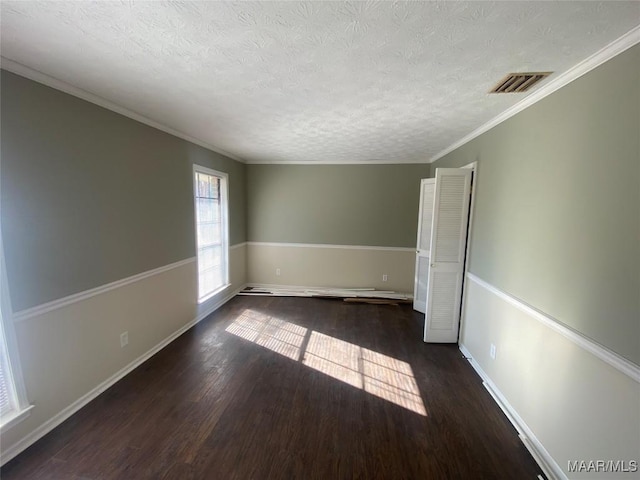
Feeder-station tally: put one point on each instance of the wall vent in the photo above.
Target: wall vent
(519, 82)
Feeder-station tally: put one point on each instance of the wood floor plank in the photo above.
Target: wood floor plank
(287, 388)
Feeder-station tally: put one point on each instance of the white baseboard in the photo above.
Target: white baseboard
(46, 427)
(267, 286)
(548, 465)
(331, 246)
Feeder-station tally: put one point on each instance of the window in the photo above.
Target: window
(13, 403)
(7, 391)
(211, 208)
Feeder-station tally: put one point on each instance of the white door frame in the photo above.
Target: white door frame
(474, 182)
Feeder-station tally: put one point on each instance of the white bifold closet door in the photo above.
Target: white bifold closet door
(448, 243)
(425, 217)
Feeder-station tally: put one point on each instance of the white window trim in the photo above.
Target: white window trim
(224, 196)
(16, 386)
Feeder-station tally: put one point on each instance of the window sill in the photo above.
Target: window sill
(203, 300)
(14, 419)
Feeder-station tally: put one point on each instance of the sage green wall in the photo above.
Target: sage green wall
(557, 214)
(334, 204)
(90, 196)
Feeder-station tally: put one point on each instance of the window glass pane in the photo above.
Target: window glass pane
(210, 233)
(209, 257)
(208, 210)
(215, 188)
(6, 404)
(210, 280)
(208, 186)
(200, 188)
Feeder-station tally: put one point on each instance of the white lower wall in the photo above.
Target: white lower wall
(331, 266)
(70, 352)
(576, 405)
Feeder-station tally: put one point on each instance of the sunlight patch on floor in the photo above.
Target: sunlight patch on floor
(334, 357)
(277, 335)
(380, 375)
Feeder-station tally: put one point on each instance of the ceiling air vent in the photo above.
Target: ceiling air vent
(519, 82)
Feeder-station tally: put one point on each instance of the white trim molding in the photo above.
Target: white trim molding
(42, 430)
(238, 245)
(618, 46)
(546, 462)
(37, 76)
(303, 288)
(603, 353)
(387, 161)
(329, 245)
(15, 419)
(77, 297)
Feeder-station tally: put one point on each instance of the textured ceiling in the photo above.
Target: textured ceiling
(309, 81)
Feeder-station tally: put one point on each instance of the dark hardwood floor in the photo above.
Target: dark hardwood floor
(289, 388)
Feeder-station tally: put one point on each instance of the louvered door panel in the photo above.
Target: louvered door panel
(443, 303)
(448, 245)
(452, 206)
(424, 241)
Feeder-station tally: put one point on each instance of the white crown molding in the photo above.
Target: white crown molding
(618, 46)
(603, 353)
(78, 297)
(330, 162)
(47, 426)
(27, 72)
(626, 41)
(546, 462)
(327, 245)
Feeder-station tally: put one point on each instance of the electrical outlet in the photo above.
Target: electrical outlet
(124, 339)
(385, 277)
(277, 272)
(492, 351)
